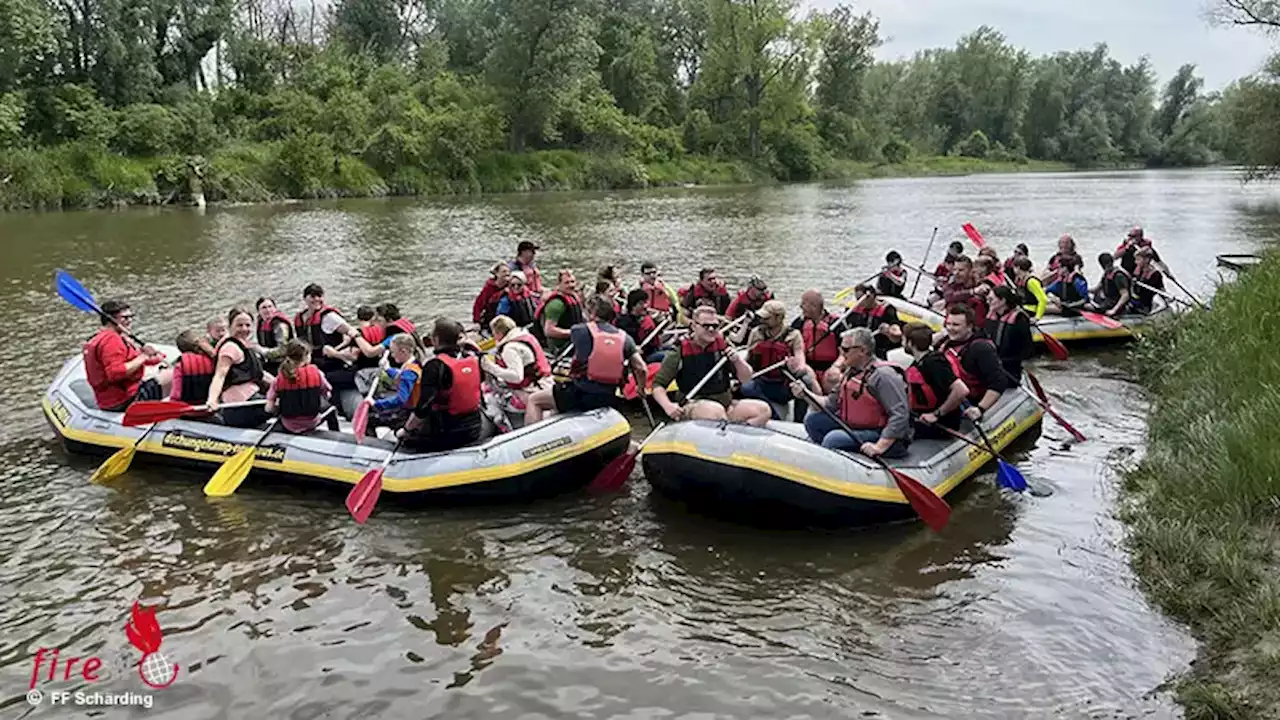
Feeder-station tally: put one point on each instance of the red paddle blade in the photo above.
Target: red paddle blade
(145, 412)
(932, 509)
(1035, 385)
(978, 241)
(1103, 320)
(360, 422)
(364, 495)
(1056, 348)
(653, 372)
(1044, 399)
(629, 390)
(615, 474)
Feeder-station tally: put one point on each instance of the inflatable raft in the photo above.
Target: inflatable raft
(740, 471)
(559, 454)
(1066, 329)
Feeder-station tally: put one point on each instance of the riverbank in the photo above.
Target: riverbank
(1204, 504)
(77, 176)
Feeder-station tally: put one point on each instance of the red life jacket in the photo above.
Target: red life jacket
(310, 329)
(197, 374)
(658, 298)
(373, 334)
(858, 409)
(532, 276)
(859, 317)
(979, 309)
(301, 397)
(535, 371)
(770, 351)
(696, 362)
(572, 309)
(719, 297)
(267, 328)
(954, 356)
(463, 397)
(920, 393)
(106, 393)
(744, 301)
(820, 344)
(605, 363)
(402, 325)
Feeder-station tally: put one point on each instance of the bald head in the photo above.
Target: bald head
(811, 304)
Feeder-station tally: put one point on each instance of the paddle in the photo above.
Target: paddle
(978, 241)
(119, 461)
(615, 474)
(1043, 399)
(924, 261)
(1174, 280)
(73, 292)
(1109, 323)
(1056, 348)
(145, 412)
(237, 467)
(1007, 475)
(1167, 296)
(360, 419)
(364, 495)
(932, 509)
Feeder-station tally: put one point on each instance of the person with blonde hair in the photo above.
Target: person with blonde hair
(393, 409)
(518, 364)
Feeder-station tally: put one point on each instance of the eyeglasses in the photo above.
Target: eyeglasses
(848, 348)
(124, 316)
(649, 272)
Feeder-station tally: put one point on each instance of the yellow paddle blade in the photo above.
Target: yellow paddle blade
(231, 474)
(114, 466)
(486, 344)
(845, 293)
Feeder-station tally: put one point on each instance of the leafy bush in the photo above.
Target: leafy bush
(13, 109)
(146, 129)
(975, 146)
(304, 165)
(70, 112)
(797, 152)
(288, 113)
(896, 151)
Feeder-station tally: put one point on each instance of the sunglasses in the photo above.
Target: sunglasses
(708, 326)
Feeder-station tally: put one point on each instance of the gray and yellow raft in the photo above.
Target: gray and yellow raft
(557, 455)
(743, 472)
(1066, 329)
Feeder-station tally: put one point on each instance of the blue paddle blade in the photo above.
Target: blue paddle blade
(72, 291)
(1007, 476)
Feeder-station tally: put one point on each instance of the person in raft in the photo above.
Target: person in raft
(485, 306)
(974, 360)
(1020, 250)
(771, 342)
(300, 392)
(274, 331)
(893, 279)
(708, 287)
(447, 415)
(1053, 269)
(238, 375)
(870, 312)
(752, 299)
(639, 323)
(820, 330)
(392, 410)
(519, 365)
(560, 311)
(1111, 296)
(601, 354)
(1010, 331)
(1147, 279)
(193, 372)
(871, 399)
(525, 263)
(934, 392)
(662, 299)
(942, 273)
(1127, 252)
(1031, 292)
(214, 330)
(325, 330)
(114, 365)
(1069, 294)
(693, 360)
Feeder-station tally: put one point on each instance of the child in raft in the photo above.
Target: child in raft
(300, 391)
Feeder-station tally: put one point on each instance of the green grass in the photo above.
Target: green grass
(1204, 504)
(939, 165)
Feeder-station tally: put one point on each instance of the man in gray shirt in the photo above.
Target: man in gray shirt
(871, 399)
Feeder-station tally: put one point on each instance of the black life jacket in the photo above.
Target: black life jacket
(303, 396)
(1110, 290)
(638, 329)
(696, 362)
(247, 370)
(197, 374)
(521, 308)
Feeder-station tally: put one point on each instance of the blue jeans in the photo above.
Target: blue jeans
(824, 431)
(773, 391)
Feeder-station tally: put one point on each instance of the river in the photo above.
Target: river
(277, 605)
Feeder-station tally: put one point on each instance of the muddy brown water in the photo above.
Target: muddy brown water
(276, 605)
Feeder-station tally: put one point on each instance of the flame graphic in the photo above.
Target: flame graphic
(143, 630)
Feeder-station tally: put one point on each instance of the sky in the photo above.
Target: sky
(1170, 32)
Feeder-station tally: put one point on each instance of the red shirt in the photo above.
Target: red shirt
(105, 356)
(489, 292)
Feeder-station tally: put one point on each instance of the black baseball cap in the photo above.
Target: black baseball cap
(526, 245)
